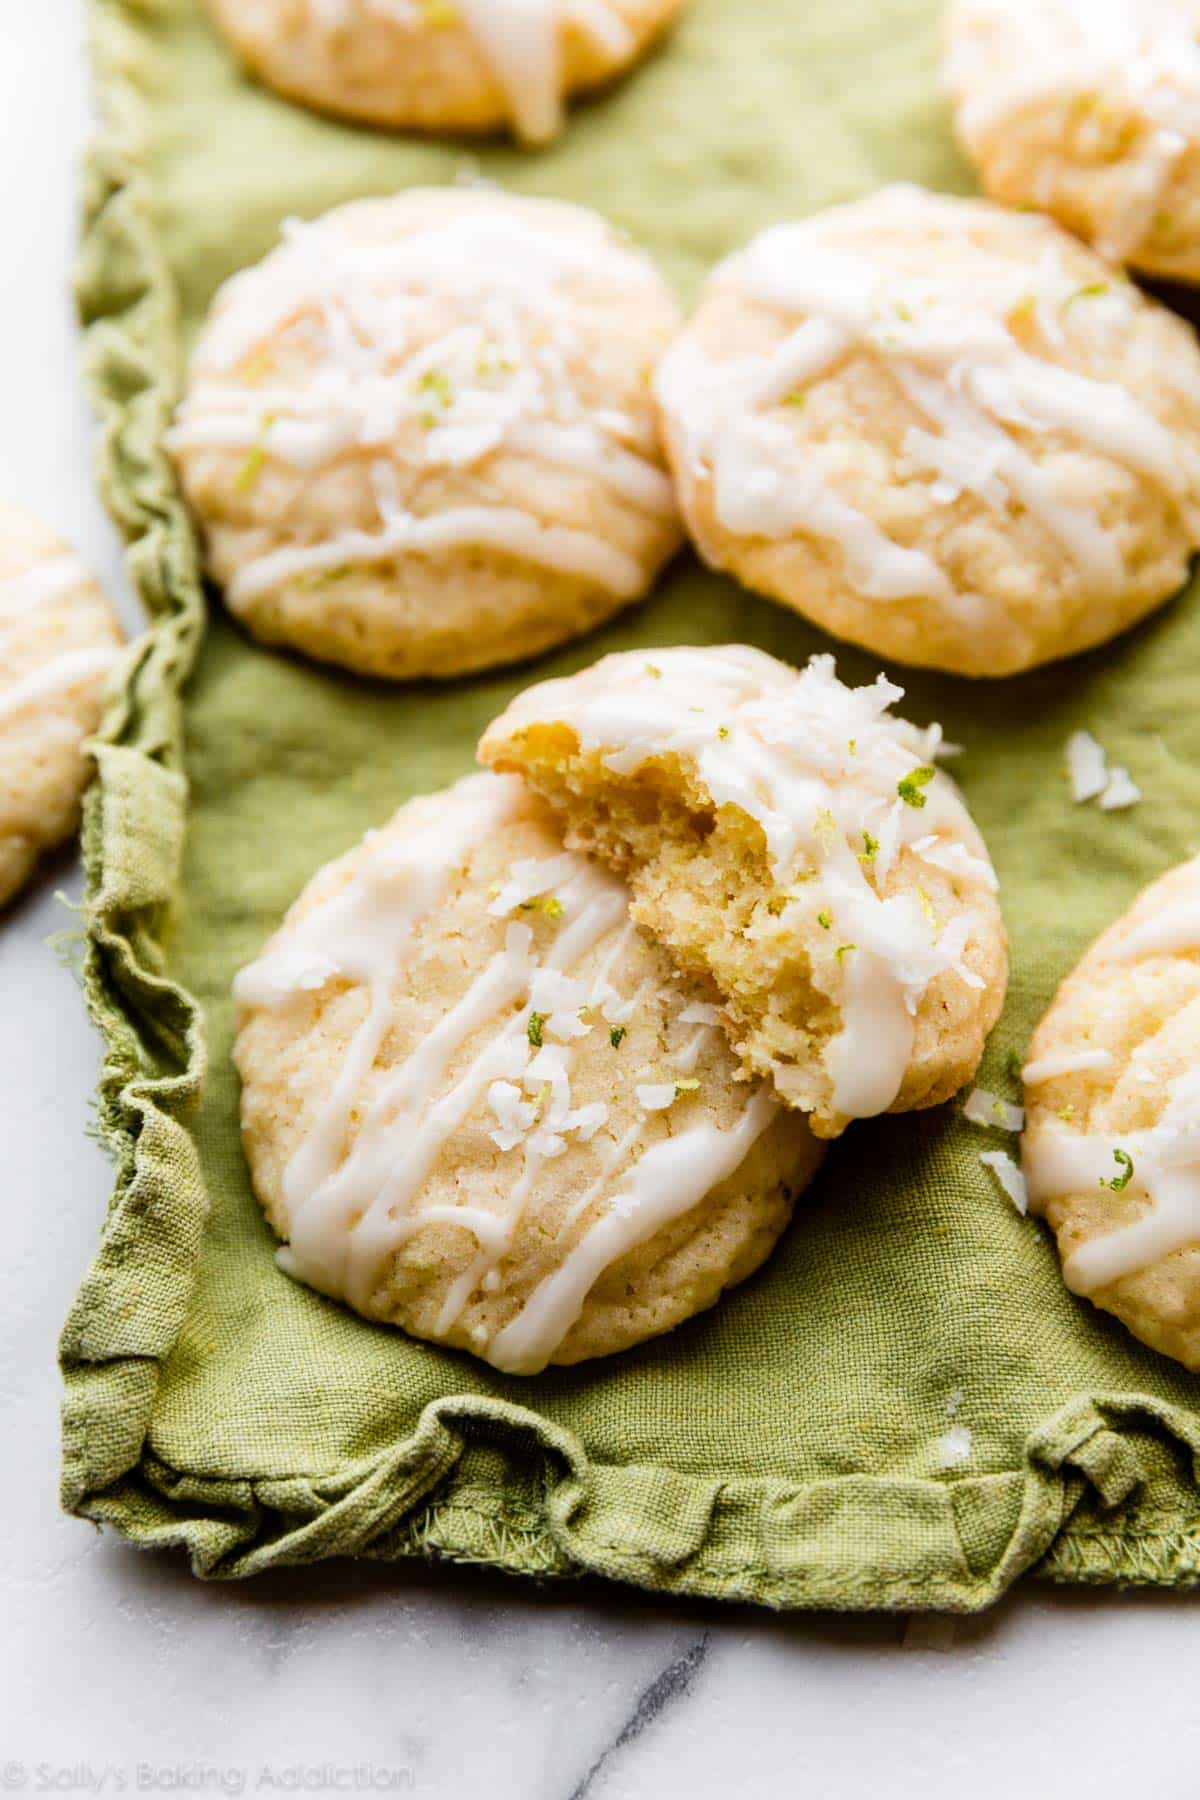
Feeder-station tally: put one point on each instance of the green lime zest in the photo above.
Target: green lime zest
(548, 904)
(909, 788)
(437, 383)
(533, 1031)
(1124, 1162)
(250, 470)
(1090, 290)
(615, 1036)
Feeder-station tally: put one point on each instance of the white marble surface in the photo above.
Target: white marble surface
(118, 1672)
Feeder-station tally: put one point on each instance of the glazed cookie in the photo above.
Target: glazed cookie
(941, 430)
(1090, 110)
(479, 1104)
(442, 65)
(419, 437)
(1111, 1150)
(59, 640)
(790, 842)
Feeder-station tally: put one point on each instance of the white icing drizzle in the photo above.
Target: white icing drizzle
(521, 41)
(352, 1189)
(1065, 1062)
(53, 578)
(1140, 55)
(391, 380)
(63, 673)
(667, 1180)
(1165, 1159)
(818, 766)
(1165, 1173)
(1174, 930)
(947, 338)
(493, 527)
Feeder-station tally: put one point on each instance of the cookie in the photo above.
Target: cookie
(1090, 112)
(940, 430)
(419, 437)
(790, 842)
(59, 640)
(479, 1104)
(442, 65)
(1111, 1152)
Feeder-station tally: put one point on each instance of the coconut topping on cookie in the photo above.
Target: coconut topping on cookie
(841, 792)
(354, 1190)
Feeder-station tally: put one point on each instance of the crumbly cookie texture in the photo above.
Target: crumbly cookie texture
(1111, 1152)
(419, 437)
(442, 65)
(1089, 110)
(790, 842)
(479, 1103)
(59, 640)
(941, 430)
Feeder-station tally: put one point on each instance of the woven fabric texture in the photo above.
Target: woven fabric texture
(784, 1448)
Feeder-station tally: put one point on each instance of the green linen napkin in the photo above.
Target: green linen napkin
(787, 1447)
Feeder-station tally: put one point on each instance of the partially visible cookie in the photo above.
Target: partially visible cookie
(479, 1103)
(790, 842)
(938, 429)
(1090, 111)
(442, 65)
(1111, 1152)
(59, 640)
(419, 437)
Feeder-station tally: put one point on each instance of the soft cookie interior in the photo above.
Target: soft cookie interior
(859, 972)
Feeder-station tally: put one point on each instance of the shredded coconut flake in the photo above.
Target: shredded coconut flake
(655, 1096)
(514, 1115)
(699, 1013)
(1092, 779)
(1086, 766)
(587, 1120)
(955, 1447)
(956, 859)
(529, 879)
(985, 1108)
(1009, 1176)
(1121, 791)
